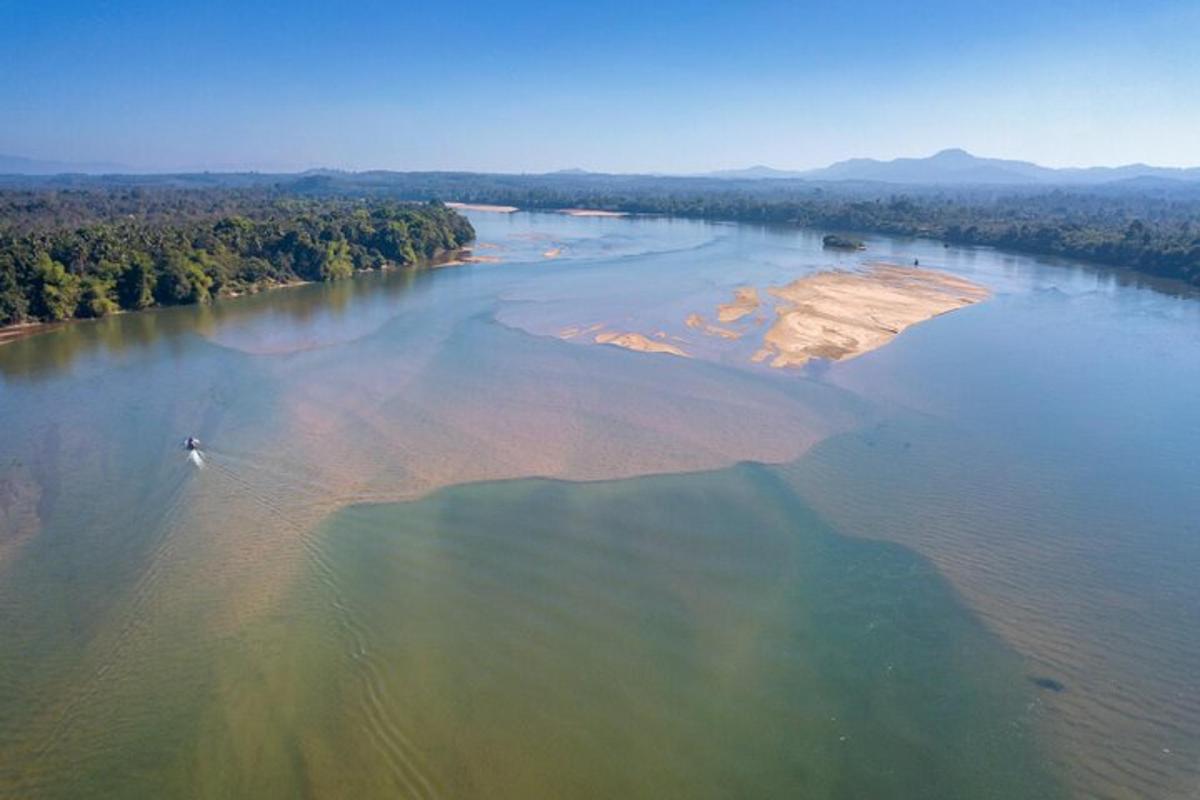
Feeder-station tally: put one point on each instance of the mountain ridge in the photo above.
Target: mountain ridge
(955, 166)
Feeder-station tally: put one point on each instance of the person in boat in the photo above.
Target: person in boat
(192, 443)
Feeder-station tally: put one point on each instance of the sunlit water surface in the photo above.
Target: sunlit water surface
(436, 550)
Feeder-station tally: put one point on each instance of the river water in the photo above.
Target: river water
(437, 550)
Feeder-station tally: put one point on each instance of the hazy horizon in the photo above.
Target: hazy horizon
(608, 88)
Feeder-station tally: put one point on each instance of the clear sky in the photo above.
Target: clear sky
(655, 85)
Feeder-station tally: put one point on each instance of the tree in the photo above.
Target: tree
(182, 280)
(56, 291)
(95, 298)
(336, 264)
(135, 283)
(14, 306)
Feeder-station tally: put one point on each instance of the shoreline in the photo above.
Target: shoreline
(451, 258)
(486, 207)
(590, 212)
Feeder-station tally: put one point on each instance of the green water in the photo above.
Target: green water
(963, 565)
(698, 636)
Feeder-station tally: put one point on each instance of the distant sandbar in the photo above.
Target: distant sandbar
(482, 207)
(591, 212)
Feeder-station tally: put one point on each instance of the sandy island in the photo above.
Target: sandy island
(745, 301)
(700, 323)
(839, 315)
(482, 207)
(638, 342)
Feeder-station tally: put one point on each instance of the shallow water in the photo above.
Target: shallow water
(976, 548)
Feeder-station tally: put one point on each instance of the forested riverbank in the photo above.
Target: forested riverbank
(96, 251)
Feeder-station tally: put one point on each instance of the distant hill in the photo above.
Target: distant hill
(19, 165)
(946, 169)
(754, 173)
(958, 167)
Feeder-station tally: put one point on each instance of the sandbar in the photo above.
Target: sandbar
(745, 301)
(483, 207)
(699, 323)
(839, 314)
(19, 330)
(638, 342)
(466, 256)
(591, 212)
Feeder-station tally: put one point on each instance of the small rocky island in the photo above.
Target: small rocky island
(835, 242)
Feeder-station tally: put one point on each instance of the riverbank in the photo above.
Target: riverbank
(11, 333)
(485, 207)
(451, 258)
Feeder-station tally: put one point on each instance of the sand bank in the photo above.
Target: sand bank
(745, 301)
(467, 256)
(638, 342)
(591, 212)
(571, 331)
(839, 315)
(20, 330)
(482, 207)
(701, 324)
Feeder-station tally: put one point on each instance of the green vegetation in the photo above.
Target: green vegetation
(89, 253)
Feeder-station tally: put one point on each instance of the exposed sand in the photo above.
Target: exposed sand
(745, 301)
(700, 323)
(839, 315)
(11, 333)
(467, 256)
(483, 207)
(571, 331)
(833, 315)
(636, 341)
(591, 212)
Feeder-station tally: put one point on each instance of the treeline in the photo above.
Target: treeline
(92, 252)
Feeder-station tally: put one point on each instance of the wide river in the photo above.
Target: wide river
(437, 549)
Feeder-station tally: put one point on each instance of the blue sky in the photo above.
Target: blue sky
(614, 86)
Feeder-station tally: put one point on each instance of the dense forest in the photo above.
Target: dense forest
(92, 251)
